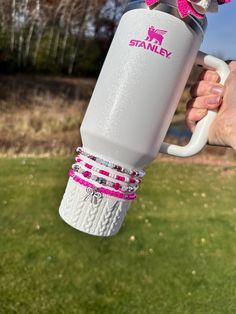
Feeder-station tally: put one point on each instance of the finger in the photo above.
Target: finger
(209, 75)
(205, 102)
(232, 64)
(204, 88)
(191, 125)
(194, 115)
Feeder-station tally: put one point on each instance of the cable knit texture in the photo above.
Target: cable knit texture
(99, 217)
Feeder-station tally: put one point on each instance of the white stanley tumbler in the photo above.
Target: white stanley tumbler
(132, 106)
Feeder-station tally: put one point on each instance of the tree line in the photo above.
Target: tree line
(57, 36)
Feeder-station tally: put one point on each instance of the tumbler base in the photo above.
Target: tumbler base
(95, 216)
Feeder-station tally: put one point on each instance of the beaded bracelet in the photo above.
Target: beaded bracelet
(117, 186)
(107, 174)
(133, 173)
(101, 190)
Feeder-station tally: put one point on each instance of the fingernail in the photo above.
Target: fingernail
(214, 100)
(218, 90)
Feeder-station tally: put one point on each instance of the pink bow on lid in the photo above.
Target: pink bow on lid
(151, 2)
(186, 8)
(223, 1)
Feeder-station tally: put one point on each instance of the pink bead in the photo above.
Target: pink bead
(120, 178)
(117, 186)
(132, 180)
(87, 174)
(88, 166)
(105, 173)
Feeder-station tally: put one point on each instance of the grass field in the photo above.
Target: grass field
(176, 252)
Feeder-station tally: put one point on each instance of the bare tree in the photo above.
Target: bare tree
(55, 28)
(13, 24)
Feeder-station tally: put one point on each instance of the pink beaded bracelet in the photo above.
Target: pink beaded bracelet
(108, 164)
(101, 190)
(107, 174)
(103, 181)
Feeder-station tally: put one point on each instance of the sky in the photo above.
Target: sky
(220, 37)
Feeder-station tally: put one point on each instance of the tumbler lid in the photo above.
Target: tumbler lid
(170, 6)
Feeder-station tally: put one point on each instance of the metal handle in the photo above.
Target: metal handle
(200, 136)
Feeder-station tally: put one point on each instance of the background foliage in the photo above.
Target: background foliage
(57, 36)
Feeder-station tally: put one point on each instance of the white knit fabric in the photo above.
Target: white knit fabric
(102, 217)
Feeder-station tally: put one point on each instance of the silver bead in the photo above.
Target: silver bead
(130, 189)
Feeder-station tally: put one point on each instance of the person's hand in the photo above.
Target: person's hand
(208, 94)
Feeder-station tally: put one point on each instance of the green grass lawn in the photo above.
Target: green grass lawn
(176, 252)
